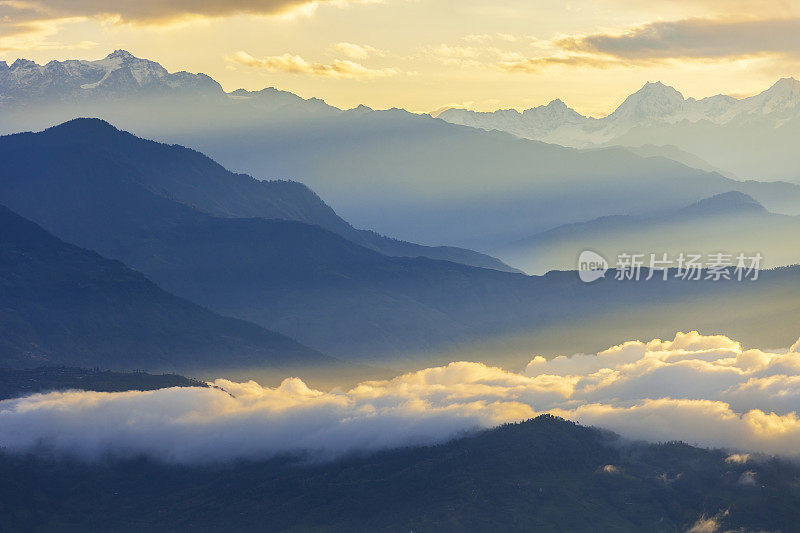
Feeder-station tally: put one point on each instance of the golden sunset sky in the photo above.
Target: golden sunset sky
(426, 54)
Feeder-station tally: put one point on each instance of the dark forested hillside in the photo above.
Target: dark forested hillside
(542, 475)
(16, 382)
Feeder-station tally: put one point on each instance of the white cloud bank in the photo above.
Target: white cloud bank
(700, 389)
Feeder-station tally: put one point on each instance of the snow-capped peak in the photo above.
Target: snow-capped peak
(783, 98)
(120, 54)
(785, 92)
(785, 85)
(656, 90)
(553, 114)
(653, 105)
(654, 101)
(119, 73)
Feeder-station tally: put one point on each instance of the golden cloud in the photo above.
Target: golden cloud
(339, 68)
(696, 388)
(697, 39)
(358, 51)
(148, 11)
(536, 64)
(692, 38)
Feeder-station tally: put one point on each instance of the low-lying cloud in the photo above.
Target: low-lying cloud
(706, 390)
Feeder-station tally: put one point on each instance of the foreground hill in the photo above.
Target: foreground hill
(545, 474)
(63, 305)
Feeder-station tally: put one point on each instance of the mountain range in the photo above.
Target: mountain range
(333, 294)
(659, 114)
(730, 223)
(653, 104)
(405, 175)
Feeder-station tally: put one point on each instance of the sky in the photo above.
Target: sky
(424, 55)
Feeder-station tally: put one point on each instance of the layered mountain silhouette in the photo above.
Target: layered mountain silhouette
(342, 298)
(410, 176)
(432, 182)
(193, 179)
(729, 223)
(64, 305)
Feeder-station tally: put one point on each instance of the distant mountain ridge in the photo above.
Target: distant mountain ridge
(122, 74)
(653, 104)
(731, 223)
(748, 136)
(733, 202)
(674, 153)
